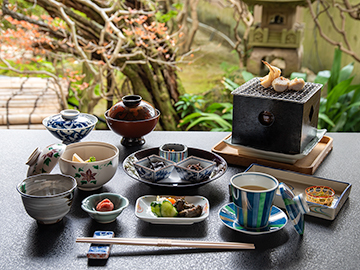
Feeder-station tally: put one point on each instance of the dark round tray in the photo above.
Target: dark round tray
(174, 179)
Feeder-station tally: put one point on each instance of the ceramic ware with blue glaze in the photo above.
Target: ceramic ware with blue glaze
(89, 206)
(188, 174)
(296, 207)
(47, 197)
(145, 172)
(173, 151)
(277, 220)
(70, 126)
(253, 206)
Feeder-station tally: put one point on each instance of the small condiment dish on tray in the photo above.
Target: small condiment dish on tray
(143, 210)
(154, 168)
(195, 169)
(173, 151)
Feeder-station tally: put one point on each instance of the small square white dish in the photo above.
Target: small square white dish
(143, 210)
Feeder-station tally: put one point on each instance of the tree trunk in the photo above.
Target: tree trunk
(103, 38)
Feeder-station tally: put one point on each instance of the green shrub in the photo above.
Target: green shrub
(340, 106)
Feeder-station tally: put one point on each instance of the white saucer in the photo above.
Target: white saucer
(277, 221)
(280, 157)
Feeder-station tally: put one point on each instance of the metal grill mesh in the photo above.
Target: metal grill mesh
(253, 88)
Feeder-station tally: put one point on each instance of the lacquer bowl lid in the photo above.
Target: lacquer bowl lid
(132, 108)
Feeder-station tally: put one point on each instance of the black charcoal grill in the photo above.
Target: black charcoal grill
(280, 122)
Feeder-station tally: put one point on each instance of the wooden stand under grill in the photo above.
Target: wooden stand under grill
(307, 165)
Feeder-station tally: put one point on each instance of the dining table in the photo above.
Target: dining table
(26, 244)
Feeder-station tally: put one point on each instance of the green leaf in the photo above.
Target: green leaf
(189, 117)
(229, 84)
(247, 75)
(336, 92)
(211, 118)
(325, 118)
(298, 75)
(335, 70)
(346, 72)
(322, 77)
(340, 122)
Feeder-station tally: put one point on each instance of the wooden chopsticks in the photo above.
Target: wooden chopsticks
(164, 243)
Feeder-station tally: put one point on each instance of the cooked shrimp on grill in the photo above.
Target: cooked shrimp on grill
(274, 73)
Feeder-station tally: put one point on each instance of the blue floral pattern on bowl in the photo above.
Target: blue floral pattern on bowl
(70, 125)
(145, 172)
(193, 175)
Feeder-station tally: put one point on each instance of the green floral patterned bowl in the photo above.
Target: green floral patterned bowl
(90, 175)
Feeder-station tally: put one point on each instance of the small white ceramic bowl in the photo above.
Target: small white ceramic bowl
(89, 206)
(173, 151)
(47, 197)
(90, 175)
(142, 167)
(188, 174)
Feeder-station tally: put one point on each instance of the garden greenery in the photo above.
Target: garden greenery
(339, 104)
(340, 107)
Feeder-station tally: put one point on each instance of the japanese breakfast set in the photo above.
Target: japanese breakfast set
(274, 134)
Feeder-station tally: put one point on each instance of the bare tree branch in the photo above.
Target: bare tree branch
(344, 7)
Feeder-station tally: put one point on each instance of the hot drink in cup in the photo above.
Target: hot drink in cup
(253, 194)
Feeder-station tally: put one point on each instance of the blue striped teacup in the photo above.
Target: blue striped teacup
(253, 194)
(173, 151)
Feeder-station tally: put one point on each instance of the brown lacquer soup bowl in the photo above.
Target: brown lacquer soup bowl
(132, 118)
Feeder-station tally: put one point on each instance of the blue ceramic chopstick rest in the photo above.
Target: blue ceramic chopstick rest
(296, 207)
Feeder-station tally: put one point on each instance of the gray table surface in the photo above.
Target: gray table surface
(26, 245)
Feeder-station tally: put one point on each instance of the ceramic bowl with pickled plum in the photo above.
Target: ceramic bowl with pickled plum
(104, 207)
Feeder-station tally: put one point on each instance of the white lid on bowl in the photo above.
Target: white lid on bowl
(44, 161)
(70, 119)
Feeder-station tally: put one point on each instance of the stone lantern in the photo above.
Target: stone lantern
(277, 34)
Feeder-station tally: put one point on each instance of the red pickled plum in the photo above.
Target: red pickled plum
(105, 205)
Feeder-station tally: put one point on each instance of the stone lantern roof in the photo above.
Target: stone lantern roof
(276, 33)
